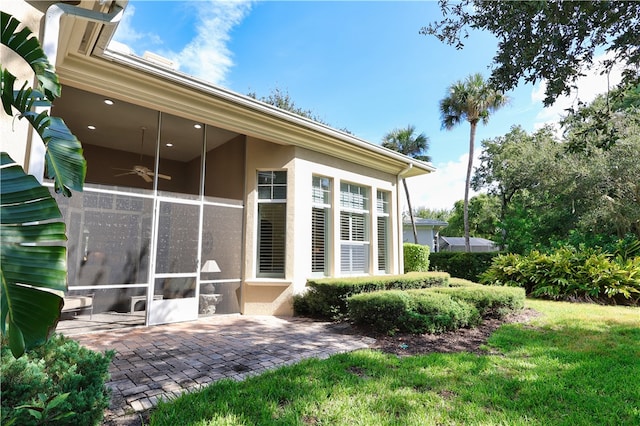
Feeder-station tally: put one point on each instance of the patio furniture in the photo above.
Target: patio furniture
(78, 303)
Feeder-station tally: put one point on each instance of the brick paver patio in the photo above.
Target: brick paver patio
(167, 360)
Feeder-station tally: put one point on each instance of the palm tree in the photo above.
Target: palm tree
(472, 100)
(404, 142)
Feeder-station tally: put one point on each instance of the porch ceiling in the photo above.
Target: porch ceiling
(118, 126)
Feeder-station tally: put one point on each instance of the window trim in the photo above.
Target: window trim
(267, 203)
(325, 209)
(349, 209)
(383, 212)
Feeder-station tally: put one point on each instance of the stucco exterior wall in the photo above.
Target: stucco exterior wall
(262, 296)
(273, 296)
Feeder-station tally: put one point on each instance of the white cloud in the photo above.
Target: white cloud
(129, 36)
(207, 56)
(588, 87)
(440, 190)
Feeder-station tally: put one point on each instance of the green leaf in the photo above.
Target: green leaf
(26, 45)
(65, 162)
(32, 258)
(57, 400)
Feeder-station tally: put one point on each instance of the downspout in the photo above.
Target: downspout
(399, 177)
(54, 17)
(35, 152)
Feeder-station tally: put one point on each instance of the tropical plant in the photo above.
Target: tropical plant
(405, 142)
(471, 100)
(569, 274)
(33, 252)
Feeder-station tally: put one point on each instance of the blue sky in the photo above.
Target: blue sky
(358, 65)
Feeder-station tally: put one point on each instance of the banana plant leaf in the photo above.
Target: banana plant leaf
(27, 46)
(64, 159)
(32, 258)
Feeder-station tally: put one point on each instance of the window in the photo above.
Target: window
(272, 223)
(382, 210)
(354, 229)
(320, 214)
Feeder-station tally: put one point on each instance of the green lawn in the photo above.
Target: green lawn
(577, 364)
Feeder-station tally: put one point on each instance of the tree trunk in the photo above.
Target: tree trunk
(413, 221)
(472, 137)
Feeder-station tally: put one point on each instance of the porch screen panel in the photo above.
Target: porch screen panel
(272, 221)
(109, 236)
(177, 250)
(354, 229)
(222, 237)
(320, 214)
(177, 238)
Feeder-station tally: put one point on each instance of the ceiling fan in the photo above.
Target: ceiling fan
(142, 171)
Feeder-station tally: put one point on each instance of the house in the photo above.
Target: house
(199, 200)
(427, 230)
(458, 244)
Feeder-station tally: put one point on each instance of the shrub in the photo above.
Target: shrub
(461, 264)
(509, 270)
(416, 257)
(59, 366)
(491, 301)
(460, 282)
(570, 274)
(326, 298)
(413, 311)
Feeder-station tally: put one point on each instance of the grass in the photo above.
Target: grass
(577, 364)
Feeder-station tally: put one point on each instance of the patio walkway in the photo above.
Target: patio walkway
(167, 360)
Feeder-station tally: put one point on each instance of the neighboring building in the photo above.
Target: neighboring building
(427, 230)
(457, 244)
(199, 200)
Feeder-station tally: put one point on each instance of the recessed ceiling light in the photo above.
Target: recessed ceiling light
(108, 101)
(91, 127)
(169, 144)
(198, 126)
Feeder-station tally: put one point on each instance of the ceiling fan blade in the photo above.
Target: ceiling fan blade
(161, 176)
(124, 174)
(146, 178)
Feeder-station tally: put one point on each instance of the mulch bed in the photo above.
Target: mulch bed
(462, 340)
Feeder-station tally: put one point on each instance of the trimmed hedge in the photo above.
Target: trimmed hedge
(461, 264)
(491, 301)
(413, 311)
(327, 298)
(59, 366)
(416, 257)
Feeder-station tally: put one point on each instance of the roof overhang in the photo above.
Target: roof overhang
(84, 62)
